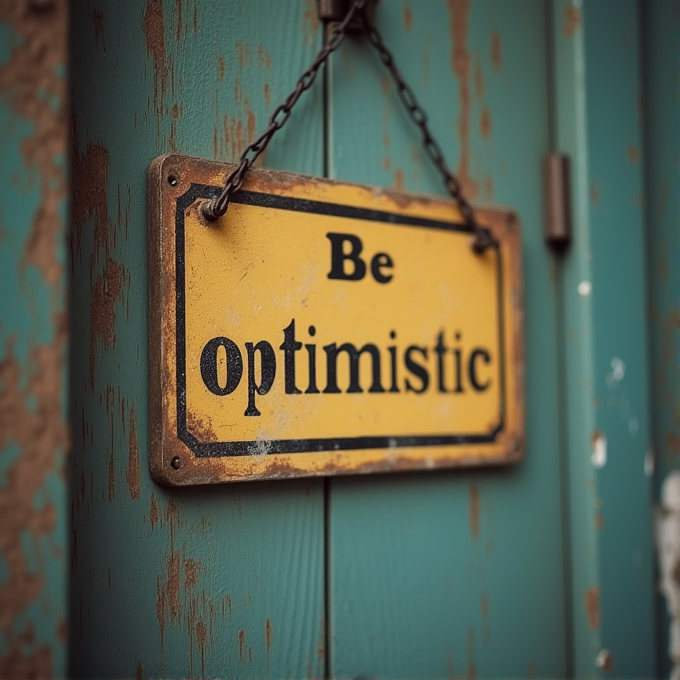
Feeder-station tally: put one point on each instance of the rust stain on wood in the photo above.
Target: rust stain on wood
(98, 19)
(408, 18)
(241, 644)
(399, 179)
(133, 474)
(485, 123)
(496, 51)
(35, 92)
(111, 478)
(39, 433)
(460, 63)
(107, 290)
(153, 511)
(572, 20)
(268, 635)
(154, 34)
(90, 199)
(593, 607)
(633, 154)
(474, 510)
(310, 21)
(479, 81)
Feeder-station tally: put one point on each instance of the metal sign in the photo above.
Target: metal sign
(324, 328)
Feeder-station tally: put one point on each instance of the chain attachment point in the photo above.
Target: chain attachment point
(356, 15)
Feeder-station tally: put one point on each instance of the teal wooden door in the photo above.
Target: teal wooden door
(539, 570)
(457, 573)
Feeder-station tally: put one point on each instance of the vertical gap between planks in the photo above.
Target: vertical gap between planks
(644, 27)
(327, 671)
(567, 591)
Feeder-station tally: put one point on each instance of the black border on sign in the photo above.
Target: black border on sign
(272, 446)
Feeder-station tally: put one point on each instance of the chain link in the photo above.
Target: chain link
(218, 206)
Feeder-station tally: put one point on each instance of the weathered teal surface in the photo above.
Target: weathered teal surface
(224, 581)
(533, 570)
(33, 435)
(661, 21)
(597, 105)
(456, 574)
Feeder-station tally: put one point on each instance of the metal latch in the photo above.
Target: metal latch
(557, 200)
(334, 11)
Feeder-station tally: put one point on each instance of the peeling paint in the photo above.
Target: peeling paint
(598, 455)
(572, 20)
(33, 431)
(593, 607)
(668, 558)
(460, 64)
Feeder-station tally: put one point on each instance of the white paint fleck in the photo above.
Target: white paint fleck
(618, 372)
(585, 288)
(668, 553)
(599, 451)
(649, 462)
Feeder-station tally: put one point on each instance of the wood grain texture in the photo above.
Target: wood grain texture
(455, 574)
(204, 582)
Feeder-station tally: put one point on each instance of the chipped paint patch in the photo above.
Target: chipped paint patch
(33, 431)
(617, 373)
(599, 450)
(585, 288)
(593, 607)
(668, 558)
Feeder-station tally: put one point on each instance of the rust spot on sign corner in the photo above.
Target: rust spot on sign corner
(133, 475)
(154, 34)
(572, 20)
(408, 18)
(460, 63)
(496, 51)
(593, 607)
(474, 510)
(268, 635)
(106, 292)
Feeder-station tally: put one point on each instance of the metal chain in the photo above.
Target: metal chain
(218, 206)
(483, 238)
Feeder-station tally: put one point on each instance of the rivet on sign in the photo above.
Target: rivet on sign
(175, 463)
(172, 180)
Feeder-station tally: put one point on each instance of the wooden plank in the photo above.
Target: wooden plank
(661, 37)
(603, 280)
(33, 340)
(451, 574)
(178, 583)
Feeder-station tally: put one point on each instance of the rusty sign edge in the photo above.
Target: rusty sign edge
(164, 444)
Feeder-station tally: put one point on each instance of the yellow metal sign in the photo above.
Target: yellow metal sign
(324, 328)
